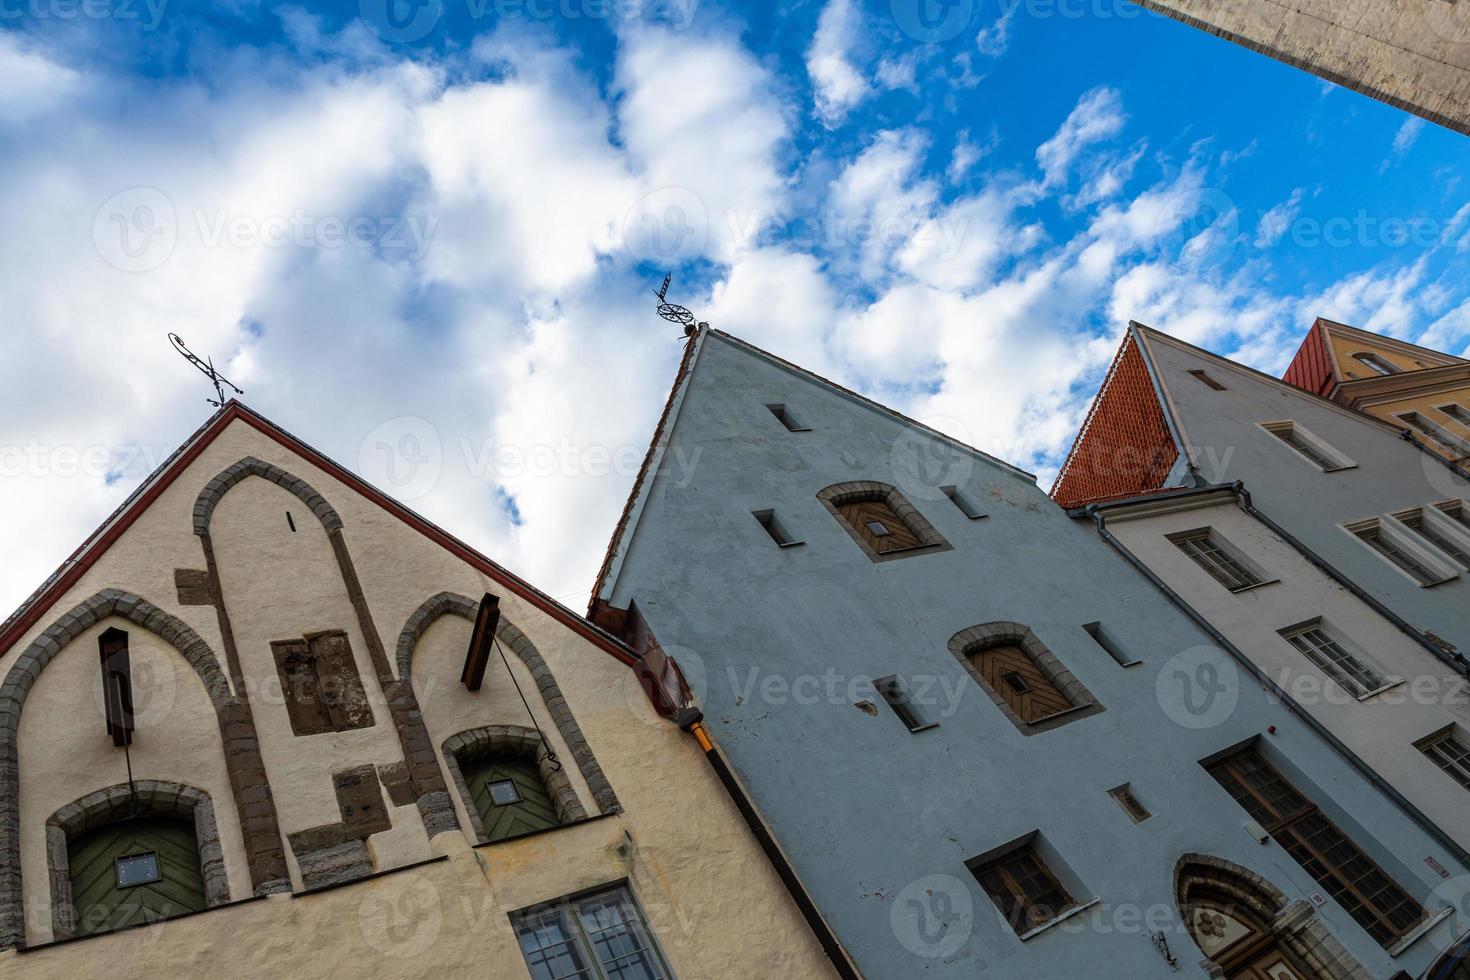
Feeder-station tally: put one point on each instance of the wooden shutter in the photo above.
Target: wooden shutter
(864, 512)
(1000, 666)
(102, 906)
(533, 812)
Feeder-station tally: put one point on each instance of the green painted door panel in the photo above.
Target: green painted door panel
(533, 812)
(103, 906)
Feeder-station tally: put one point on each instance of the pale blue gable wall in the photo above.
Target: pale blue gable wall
(863, 807)
(1391, 476)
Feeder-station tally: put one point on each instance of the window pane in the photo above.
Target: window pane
(619, 941)
(1390, 549)
(1436, 537)
(1222, 566)
(551, 947)
(1336, 661)
(1452, 754)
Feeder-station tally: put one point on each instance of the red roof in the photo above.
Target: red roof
(1311, 369)
(1125, 447)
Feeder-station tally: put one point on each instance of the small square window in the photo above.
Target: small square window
(878, 529)
(1125, 798)
(896, 694)
(1109, 643)
(775, 528)
(1207, 381)
(784, 416)
(504, 793)
(1015, 682)
(138, 869)
(963, 503)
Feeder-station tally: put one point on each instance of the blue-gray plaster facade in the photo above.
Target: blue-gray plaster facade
(1222, 434)
(880, 822)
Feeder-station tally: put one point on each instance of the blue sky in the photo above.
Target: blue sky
(428, 244)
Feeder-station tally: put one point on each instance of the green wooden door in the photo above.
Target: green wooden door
(510, 796)
(103, 904)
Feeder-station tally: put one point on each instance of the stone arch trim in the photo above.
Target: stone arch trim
(104, 806)
(510, 740)
(972, 640)
(247, 773)
(216, 488)
(1295, 925)
(453, 604)
(853, 491)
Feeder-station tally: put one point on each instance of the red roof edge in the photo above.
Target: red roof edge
(1125, 446)
(160, 480)
(1311, 368)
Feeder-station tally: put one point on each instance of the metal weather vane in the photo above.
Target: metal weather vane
(673, 312)
(206, 367)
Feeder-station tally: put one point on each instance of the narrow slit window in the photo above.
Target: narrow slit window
(290, 522)
(1376, 364)
(895, 692)
(1458, 412)
(1451, 752)
(1125, 798)
(775, 529)
(1222, 564)
(1337, 658)
(784, 416)
(1424, 526)
(963, 503)
(1436, 432)
(1204, 378)
(1455, 510)
(1110, 644)
(1316, 451)
(1373, 535)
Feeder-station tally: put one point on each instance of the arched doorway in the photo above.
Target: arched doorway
(1249, 931)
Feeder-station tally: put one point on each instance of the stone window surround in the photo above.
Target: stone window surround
(855, 491)
(453, 604)
(247, 775)
(1294, 924)
(968, 642)
(513, 740)
(105, 806)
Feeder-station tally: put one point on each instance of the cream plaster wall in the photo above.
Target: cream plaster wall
(713, 900)
(65, 752)
(1381, 729)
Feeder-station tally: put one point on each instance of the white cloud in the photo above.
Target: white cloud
(993, 41)
(33, 83)
(967, 153)
(1275, 223)
(1098, 116)
(1408, 135)
(880, 200)
(837, 83)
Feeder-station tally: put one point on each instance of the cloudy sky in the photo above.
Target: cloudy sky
(424, 236)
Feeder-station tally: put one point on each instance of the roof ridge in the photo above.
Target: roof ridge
(138, 502)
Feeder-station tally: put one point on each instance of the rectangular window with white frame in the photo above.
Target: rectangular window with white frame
(1395, 544)
(600, 935)
(1426, 426)
(1312, 448)
(1440, 531)
(1339, 658)
(1219, 559)
(1450, 750)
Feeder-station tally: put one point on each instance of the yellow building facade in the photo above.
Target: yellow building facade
(257, 726)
